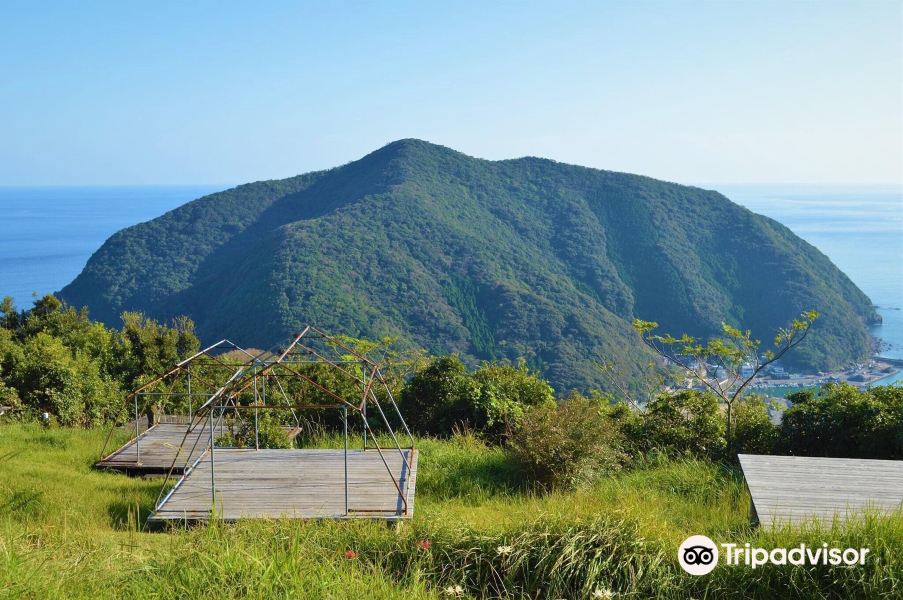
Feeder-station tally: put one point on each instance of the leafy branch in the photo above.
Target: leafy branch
(734, 355)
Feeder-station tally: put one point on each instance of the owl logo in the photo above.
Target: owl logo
(698, 555)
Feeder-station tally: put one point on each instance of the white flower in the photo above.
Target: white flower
(603, 594)
(454, 590)
(504, 550)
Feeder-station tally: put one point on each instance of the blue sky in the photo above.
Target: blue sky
(227, 92)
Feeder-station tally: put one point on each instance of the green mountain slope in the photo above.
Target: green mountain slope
(493, 259)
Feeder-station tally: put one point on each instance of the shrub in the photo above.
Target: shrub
(843, 421)
(629, 424)
(444, 396)
(506, 393)
(754, 433)
(440, 397)
(684, 423)
(51, 379)
(9, 397)
(559, 446)
(54, 359)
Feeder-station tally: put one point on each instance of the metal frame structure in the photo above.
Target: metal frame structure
(176, 384)
(311, 346)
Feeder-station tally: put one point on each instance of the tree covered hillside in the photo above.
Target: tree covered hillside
(493, 259)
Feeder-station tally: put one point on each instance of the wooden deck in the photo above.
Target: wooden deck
(297, 484)
(154, 449)
(790, 489)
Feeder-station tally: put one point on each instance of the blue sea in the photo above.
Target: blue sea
(859, 228)
(48, 233)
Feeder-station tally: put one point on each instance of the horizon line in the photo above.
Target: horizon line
(897, 184)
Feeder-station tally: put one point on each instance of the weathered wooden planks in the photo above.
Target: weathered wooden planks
(790, 489)
(154, 449)
(302, 484)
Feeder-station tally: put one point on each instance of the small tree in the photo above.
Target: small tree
(734, 355)
(443, 396)
(398, 359)
(10, 316)
(633, 391)
(149, 348)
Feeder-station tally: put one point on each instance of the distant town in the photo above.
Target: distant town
(860, 375)
(775, 380)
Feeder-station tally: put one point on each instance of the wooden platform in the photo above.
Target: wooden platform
(297, 484)
(155, 448)
(790, 489)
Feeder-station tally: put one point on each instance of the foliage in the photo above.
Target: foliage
(683, 423)
(506, 393)
(398, 360)
(148, 348)
(443, 396)
(629, 422)
(843, 421)
(754, 432)
(268, 433)
(726, 365)
(560, 446)
(50, 378)
(493, 260)
(9, 397)
(54, 359)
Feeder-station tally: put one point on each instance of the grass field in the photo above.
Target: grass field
(67, 531)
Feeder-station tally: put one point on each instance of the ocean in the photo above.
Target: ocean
(859, 228)
(48, 233)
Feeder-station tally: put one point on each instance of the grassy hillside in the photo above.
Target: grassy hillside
(517, 258)
(69, 532)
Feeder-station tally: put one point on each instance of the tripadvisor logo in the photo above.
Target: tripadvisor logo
(698, 555)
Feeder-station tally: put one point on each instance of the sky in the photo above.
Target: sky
(95, 93)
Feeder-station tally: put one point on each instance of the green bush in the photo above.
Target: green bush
(50, 378)
(54, 359)
(753, 431)
(506, 393)
(440, 397)
(842, 421)
(629, 424)
(9, 397)
(683, 423)
(443, 396)
(560, 446)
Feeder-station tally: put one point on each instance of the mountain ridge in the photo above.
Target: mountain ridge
(493, 259)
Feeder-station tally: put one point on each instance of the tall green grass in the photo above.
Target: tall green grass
(67, 531)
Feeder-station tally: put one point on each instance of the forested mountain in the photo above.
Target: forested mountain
(494, 259)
